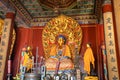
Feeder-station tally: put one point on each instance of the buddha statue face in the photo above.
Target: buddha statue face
(61, 40)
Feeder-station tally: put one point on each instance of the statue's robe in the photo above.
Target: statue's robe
(65, 62)
(88, 58)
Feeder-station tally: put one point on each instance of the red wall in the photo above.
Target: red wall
(33, 36)
(94, 34)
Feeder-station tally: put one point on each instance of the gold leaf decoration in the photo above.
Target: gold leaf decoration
(62, 25)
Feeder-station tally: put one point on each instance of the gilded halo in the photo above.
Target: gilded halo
(61, 25)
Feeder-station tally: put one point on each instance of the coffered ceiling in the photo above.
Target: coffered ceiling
(55, 3)
(34, 9)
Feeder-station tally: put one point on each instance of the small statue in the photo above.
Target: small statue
(26, 61)
(27, 58)
(88, 58)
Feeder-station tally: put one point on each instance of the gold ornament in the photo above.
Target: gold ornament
(1, 26)
(28, 48)
(62, 25)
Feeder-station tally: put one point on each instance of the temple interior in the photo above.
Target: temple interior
(59, 40)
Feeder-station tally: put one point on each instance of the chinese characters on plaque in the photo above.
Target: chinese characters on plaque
(4, 45)
(110, 46)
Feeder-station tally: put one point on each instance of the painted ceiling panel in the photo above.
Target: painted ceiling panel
(44, 8)
(31, 10)
(54, 3)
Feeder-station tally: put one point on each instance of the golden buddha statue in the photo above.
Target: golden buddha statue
(60, 52)
(59, 37)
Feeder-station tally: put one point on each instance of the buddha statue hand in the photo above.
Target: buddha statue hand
(59, 54)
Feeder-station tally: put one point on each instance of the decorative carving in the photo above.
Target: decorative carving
(60, 3)
(45, 8)
(62, 25)
(13, 41)
(1, 26)
(84, 19)
(32, 10)
(25, 15)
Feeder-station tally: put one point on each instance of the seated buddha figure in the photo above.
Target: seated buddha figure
(60, 53)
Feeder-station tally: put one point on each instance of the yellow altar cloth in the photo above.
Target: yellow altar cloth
(91, 78)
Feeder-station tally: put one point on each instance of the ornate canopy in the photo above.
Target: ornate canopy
(62, 25)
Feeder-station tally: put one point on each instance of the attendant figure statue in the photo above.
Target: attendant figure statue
(88, 59)
(26, 61)
(60, 53)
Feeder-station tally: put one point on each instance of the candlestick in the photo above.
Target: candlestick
(41, 60)
(9, 75)
(43, 72)
(36, 57)
(9, 65)
(78, 74)
(32, 63)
